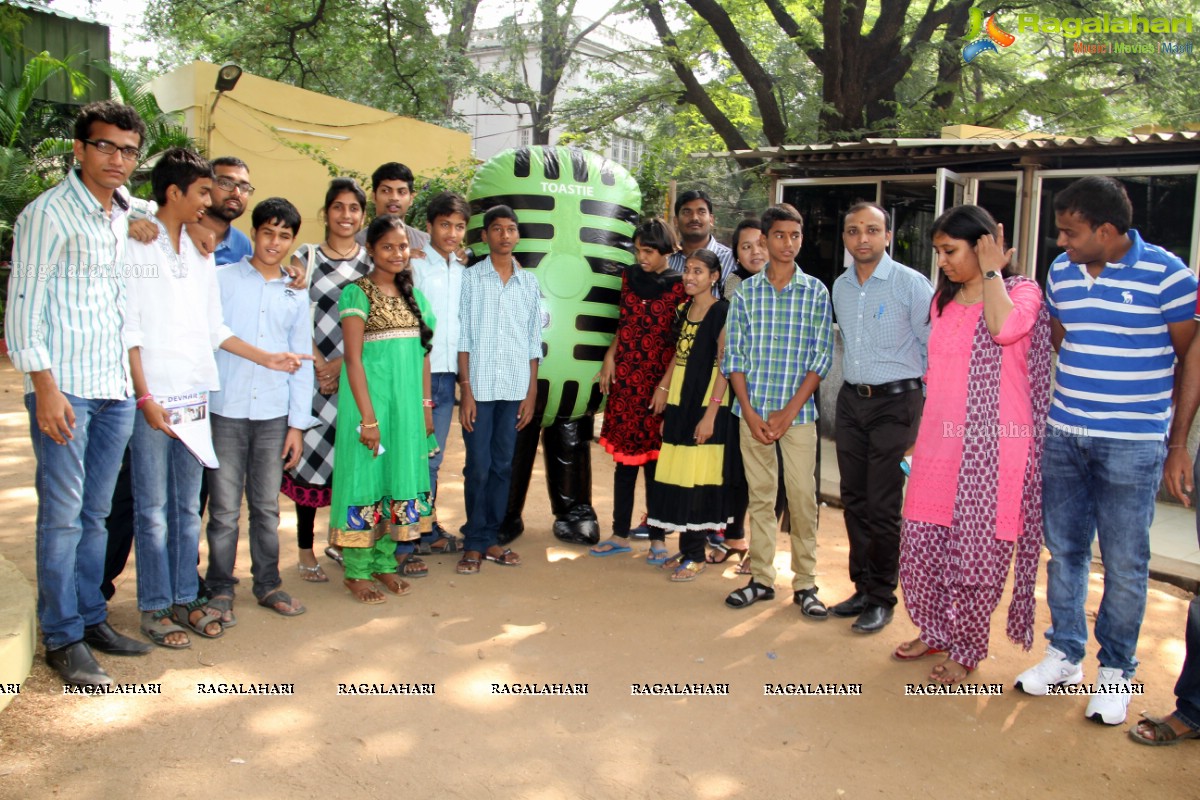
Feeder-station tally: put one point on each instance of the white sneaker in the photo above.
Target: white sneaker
(1110, 697)
(1053, 670)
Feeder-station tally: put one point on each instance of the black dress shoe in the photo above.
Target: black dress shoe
(873, 619)
(102, 637)
(77, 666)
(852, 606)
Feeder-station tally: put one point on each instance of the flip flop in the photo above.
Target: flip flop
(614, 545)
(224, 604)
(280, 596)
(902, 654)
(392, 583)
(657, 557)
(313, 574)
(687, 571)
(335, 555)
(367, 594)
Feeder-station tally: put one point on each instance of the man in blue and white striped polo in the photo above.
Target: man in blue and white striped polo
(66, 306)
(1121, 312)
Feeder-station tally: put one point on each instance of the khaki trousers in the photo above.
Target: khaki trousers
(799, 450)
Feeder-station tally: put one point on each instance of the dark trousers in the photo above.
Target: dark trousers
(1187, 689)
(872, 434)
(488, 471)
(120, 530)
(624, 483)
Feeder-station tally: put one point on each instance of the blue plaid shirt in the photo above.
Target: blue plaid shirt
(500, 326)
(775, 338)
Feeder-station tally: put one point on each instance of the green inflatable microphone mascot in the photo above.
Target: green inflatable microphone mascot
(577, 212)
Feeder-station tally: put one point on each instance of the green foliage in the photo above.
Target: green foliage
(384, 55)
(163, 130)
(33, 138)
(452, 178)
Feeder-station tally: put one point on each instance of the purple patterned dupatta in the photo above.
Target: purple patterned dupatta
(981, 464)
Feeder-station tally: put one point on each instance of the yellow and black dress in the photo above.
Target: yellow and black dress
(689, 491)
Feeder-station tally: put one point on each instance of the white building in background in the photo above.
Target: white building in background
(495, 125)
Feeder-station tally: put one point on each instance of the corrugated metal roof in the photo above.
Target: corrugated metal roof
(54, 12)
(913, 147)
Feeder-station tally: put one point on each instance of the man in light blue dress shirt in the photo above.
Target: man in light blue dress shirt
(883, 312)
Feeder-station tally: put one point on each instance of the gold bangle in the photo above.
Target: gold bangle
(374, 424)
(661, 389)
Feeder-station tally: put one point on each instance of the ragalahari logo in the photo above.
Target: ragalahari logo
(984, 36)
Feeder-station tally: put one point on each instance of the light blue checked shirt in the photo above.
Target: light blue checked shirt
(500, 327)
(66, 292)
(884, 323)
(776, 338)
(269, 315)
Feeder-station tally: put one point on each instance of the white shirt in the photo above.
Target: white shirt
(441, 283)
(173, 312)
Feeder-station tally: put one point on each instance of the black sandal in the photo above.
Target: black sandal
(410, 566)
(810, 605)
(749, 594)
(723, 552)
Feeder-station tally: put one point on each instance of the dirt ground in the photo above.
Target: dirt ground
(561, 618)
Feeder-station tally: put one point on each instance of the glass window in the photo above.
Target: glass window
(822, 205)
(912, 205)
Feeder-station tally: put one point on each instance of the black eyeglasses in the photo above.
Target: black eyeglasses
(108, 148)
(230, 185)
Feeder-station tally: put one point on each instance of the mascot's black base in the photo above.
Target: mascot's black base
(566, 448)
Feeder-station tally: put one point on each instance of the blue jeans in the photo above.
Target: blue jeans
(166, 517)
(442, 391)
(74, 485)
(249, 452)
(1096, 486)
(488, 473)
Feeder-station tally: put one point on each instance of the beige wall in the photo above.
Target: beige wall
(246, 124)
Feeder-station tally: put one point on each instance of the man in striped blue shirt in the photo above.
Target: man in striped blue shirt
(1121, 319)
(778, 347)
(66, 301)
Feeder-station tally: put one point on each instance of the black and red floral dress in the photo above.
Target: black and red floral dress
(644, 349)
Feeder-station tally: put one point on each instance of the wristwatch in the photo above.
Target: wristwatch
(991, 273)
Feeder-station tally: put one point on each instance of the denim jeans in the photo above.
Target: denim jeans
(488, 471)
(166, 522)
(249, 452)
(1106, 487)
(74, 485)
(442, 391)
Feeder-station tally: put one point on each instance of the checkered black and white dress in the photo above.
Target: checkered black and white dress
(329, 277)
